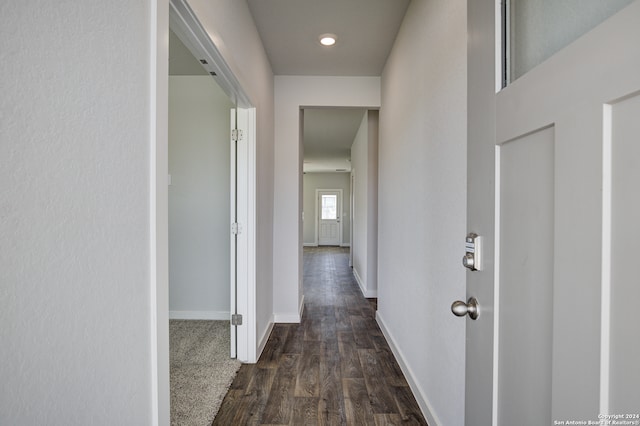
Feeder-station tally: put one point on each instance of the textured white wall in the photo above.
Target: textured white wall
(74, 213)
(292, 92)
(364, 159)
(313, 181)
(230, 24)
(422, 203)
(199, 198)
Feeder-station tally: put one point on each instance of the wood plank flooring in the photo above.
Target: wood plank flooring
(334, 368)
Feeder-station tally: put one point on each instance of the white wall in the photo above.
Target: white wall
(292, 92)
(74, 213)
(314, 181)
(422, 204)
(364, 160)
(230, 24)
(199, 198)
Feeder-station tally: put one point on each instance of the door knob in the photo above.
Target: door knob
(460, 309)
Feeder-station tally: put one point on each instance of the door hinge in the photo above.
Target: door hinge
(236, 135)
(236, 228)
(236, 319)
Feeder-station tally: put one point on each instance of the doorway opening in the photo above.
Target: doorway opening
(340, 185)
(328, 217)
(186, 25)
(199, 190)
(241, 226)
(202, 343)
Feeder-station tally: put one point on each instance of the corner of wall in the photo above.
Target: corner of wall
(366, 292)
(264, 337)
(290, 318)
(418, 392)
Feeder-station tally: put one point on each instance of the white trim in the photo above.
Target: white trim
(265, 338)
(310, 244)
(352, 204)
(159, 212)
(187, 27)
(246, 303)
(496, 290)
(252, 353)
(605, 307)
(200, 315)
(418, 392)
(291, 318)
(153, 252)
(363, 288)
(233, 302)
(345, 245)
(286, 318)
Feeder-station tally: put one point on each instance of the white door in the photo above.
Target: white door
(329, 209)
(556, 339)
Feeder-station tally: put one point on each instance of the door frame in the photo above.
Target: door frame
(243, 300)
(184, 20)
(317, 214)
(352, 205)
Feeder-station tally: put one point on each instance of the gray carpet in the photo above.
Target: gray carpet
(201, 370)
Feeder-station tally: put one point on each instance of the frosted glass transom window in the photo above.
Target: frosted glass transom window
(539, 28)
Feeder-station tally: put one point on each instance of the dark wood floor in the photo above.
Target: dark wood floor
(334, 368)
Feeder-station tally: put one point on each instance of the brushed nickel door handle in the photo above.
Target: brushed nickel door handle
(472, 308)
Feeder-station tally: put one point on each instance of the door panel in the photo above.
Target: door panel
(625, 235)
(526, 190)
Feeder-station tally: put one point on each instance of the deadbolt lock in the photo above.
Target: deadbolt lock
(472, 258)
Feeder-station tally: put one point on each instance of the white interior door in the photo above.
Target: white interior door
(329, 204)
(553, 339)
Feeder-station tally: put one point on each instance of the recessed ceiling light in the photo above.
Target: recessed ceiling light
(328, 39)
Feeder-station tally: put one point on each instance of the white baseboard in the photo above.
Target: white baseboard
(290, 318)
(286, 318)
(316, 245)
(366, 293)
(418, 392)
(262, 342)
(200, 315)
(301, 307)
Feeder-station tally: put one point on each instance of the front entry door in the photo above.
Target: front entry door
(557, 339)
(329, 209)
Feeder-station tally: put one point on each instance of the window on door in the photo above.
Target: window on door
(533, 30)
(329, 207)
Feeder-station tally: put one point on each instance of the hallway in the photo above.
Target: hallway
(334, 368)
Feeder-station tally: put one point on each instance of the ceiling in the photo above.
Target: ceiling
(328, 134)
(365, 30)
(290, 30)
